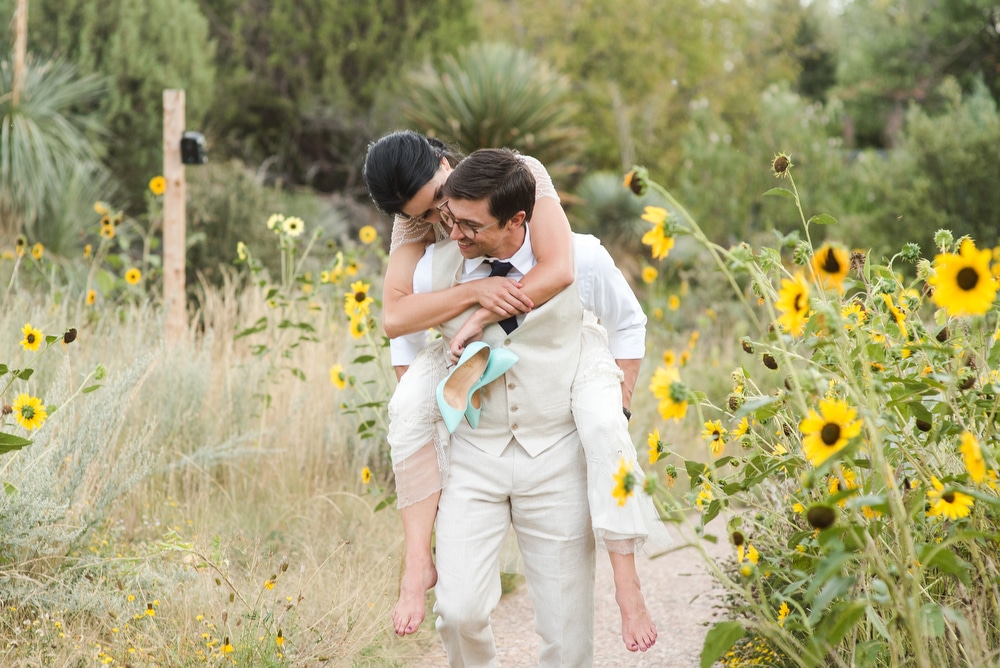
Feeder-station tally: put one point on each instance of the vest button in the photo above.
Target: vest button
(510, 386)
(506, 342)
(513, 409)
(513, 427)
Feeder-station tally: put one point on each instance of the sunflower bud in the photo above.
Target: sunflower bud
(923, 425)
(735, 401)
(747, 345)
(910, 252)
(738, 538)
(769, 361)
(857, 260)
(637, 181)
(943, 335)
(70, 335)
(780, 165)
(6, 410)
(100, 372)
(943, 239)
(821, 516)
(924, 269)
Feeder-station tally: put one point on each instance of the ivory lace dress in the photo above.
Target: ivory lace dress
(419, 442)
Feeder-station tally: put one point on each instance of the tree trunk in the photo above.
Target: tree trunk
(20, 49)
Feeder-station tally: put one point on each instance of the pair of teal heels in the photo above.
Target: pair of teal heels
(458, 394)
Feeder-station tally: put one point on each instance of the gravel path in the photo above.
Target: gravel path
(679, 594)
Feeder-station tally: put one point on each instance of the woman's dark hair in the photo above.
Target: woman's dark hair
(399, 164)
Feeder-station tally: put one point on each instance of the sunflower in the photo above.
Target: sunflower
(793, 302)
(87, 250)
(649, 274)
(830, 264)
(158, 185)
(91, 297)
(897, 313)
(274, 222)
(963, 284)
(658, 241)
(656, 215)
(37, 251)
(666, 386)
(670, 358)
(742, 428)
(780, 165)
(100, 208)
(357, 302)
(655, 446)
(338, 377)
(783, 613)
(625, 482)
(358, 327)
(367, 234)
(635, 180)
(715, 434)
(32, 338)
(705, 495)
(29, 411)
(133, 276)
(241, 251)
(950, 504)
(366, 475)
(829, 431)
(293, 226)
(107, 229)
(673, 302)
(972, 454)
(853, 315)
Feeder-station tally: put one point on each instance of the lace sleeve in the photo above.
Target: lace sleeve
(543, 182)
(409, 230)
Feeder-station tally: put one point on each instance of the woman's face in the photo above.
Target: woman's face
(423, 205)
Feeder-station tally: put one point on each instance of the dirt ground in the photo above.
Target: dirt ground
(679, 594)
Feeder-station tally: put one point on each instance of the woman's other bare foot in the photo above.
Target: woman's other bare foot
(638, 629)
(411, 605)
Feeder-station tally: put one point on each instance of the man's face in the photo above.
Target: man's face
(478, 233)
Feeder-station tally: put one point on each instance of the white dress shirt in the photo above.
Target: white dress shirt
(603, 291)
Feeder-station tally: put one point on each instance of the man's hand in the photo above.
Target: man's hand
(503, 296)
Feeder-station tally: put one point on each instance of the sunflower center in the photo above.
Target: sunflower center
(27, 412)
(967, 278)
(830, 263)
(798, 301)
(359, 296)
(678, 392)
(830, 433)
(30, 338)
(948, 497)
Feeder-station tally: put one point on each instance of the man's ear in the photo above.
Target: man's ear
(516, 220)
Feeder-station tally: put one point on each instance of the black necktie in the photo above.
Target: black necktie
(498, 268)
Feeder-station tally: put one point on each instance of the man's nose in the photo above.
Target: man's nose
(456, 234)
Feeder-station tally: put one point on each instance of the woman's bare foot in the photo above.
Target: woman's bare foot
(411, 605)
(638, 629)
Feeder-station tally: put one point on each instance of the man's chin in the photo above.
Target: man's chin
(469, 251)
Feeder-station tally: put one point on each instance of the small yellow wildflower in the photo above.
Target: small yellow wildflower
(158, 185)
(367, 234)
(32, 338)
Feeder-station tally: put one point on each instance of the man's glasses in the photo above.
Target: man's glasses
(449, 220)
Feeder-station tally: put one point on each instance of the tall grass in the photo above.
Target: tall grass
(154, 522)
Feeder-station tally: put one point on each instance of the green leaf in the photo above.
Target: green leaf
(946, 561)
(10, 442)
(23, 374)
(3, 369)
(298, 373)
(719, 640)
(258, 326)
(823, 219)
(763, 408)
(386, 502)
(779, 192)
(362, 359)
(9, 488)
(840, 620)
(91, 388)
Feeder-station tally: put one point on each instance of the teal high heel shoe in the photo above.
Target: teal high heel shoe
(454, 392)
(501, 360)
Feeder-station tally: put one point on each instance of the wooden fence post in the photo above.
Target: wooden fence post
(174, 200)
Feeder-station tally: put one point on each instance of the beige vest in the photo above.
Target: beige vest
(531, 402)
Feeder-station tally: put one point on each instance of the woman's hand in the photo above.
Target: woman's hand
(503, 296)
(471, 331)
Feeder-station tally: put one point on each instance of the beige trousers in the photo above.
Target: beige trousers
(544, 499)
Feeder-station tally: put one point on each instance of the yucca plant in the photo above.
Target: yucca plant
(492, 95)
(601, 207)
(46, 142)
